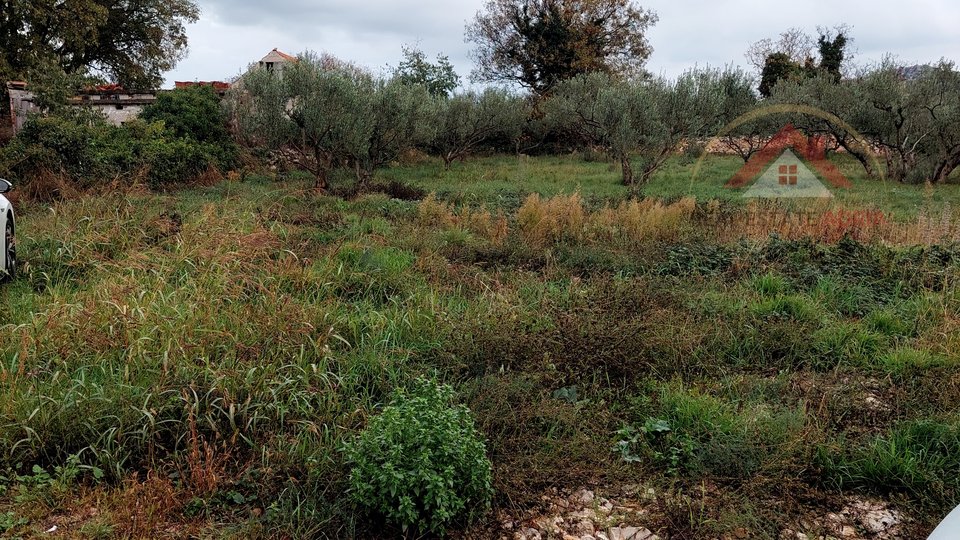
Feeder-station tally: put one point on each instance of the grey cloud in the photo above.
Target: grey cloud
(233, 33)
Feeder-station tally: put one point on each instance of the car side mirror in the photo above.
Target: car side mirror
(5, 186)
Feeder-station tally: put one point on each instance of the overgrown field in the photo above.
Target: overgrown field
(192, 363)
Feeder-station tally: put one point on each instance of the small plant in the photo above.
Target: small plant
(421, 463)
(10, 520)
(770, 284)
(672, 451)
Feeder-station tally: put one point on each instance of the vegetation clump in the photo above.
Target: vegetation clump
(421, 463)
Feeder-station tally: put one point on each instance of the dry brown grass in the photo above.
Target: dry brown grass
(479, 221)
(545, 221)
(147, 508)
(830, 223)
(637, 221)
(542, 222)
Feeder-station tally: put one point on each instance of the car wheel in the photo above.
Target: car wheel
(10, 245)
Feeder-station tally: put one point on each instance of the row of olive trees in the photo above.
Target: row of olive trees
(911, 120)
(645, 122)
(338, 115)
(342, 116)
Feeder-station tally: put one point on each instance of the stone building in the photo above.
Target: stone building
(113, 102)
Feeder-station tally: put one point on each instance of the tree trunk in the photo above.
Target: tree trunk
(322, 172)
(627, 170)
(859, 153)
(945, 168)
(364, 175)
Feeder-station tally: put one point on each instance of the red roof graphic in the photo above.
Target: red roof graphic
(812, 150)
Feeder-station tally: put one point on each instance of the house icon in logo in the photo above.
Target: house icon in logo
(785, 167)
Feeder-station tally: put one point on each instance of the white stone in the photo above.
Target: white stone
(584, 528)
(528, 533)
(582, 497)
(631, 533)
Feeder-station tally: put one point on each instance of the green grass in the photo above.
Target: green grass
(194, 361)
(503, 181)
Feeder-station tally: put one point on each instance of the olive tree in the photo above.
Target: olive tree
(690, 108)
(331, 113)
(467, 120)
(846, 113)
(394, 116)
(643, 121)
(914, 123)
(615, 115)
(738, 98)
(939, 90)
(315, 110)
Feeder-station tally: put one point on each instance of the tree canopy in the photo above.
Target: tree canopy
(791, 58)
(130, 42)
(540, 43)
(440, 79)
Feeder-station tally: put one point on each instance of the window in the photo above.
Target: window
(788, 175)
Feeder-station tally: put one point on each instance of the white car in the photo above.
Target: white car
(8, 256)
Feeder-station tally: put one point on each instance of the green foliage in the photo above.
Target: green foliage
(10, 520)
(643, 120)
(904, 362)
(332, 114)
(913, 122)
(540, 44)
(770, 284)
(700, 434)
(440, 79)
(134, 43)
(194, 113)
(420, 463)
(794, 307)
(920, 458)
(467, 120)
(778, 67)
(89, 153)
(832, 53)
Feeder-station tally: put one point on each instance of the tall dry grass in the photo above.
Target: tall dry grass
(830, 224)
(542, 222)
(479, 221)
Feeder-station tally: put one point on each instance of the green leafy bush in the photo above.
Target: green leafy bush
(88, 152)
(195, 114)
(421, 463)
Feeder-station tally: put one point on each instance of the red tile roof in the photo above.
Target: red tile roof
(285, 55)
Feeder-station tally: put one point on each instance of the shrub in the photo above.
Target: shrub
(192, 112)
(88, 153)
(172, 161)
(421, 463)
(195, 114)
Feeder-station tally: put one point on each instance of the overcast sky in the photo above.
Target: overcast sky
(233, 33)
